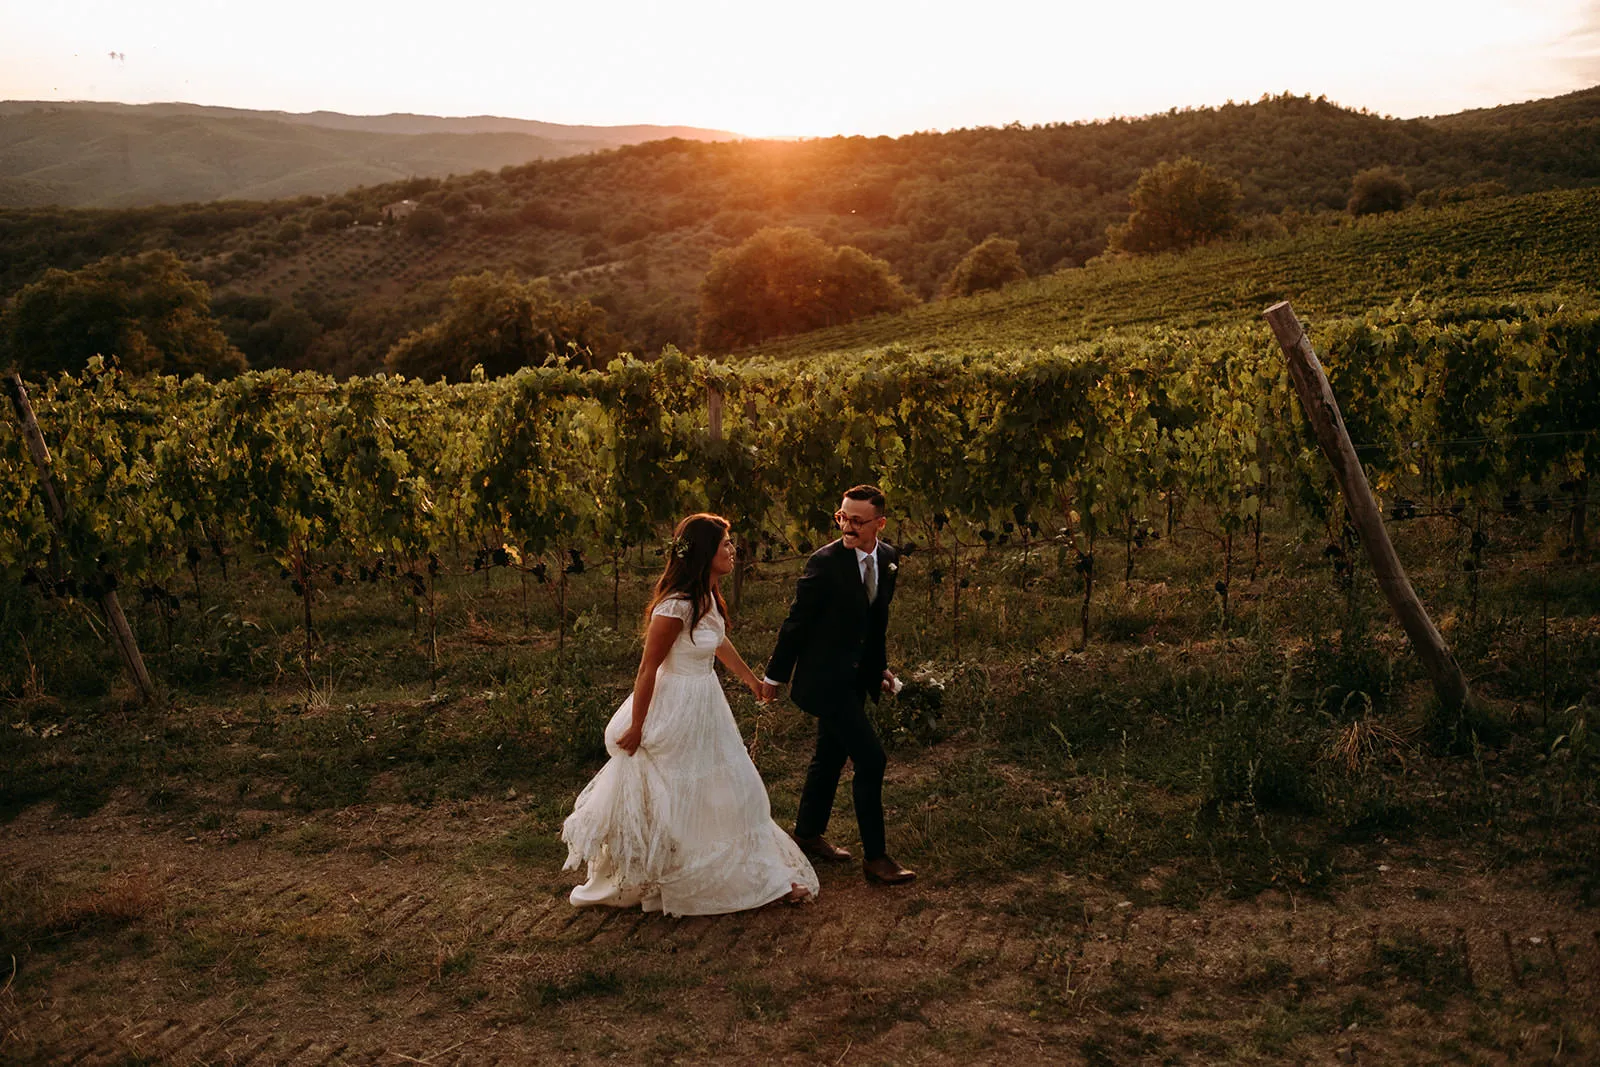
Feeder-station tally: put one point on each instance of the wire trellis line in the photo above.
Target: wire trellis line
(1424, 444)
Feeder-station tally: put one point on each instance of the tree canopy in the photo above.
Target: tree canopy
(143, 310)
(1177, 204)
(427, 221)
(990, 265)
(503, 324)
(1378, 189)
(785, 280)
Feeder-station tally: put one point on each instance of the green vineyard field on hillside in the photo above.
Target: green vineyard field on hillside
(1503, 247)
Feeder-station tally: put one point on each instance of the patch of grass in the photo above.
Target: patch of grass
(386, 969)
(198, 953)
(1110, 1046)
(1129, 988)
(467, 996)
(584, 985)
(198, 948)
(1180, 889)
(170, 799)
(1125, 624)
(1463, 731)
(1258, 756)
(310, 839)
(758, 1000)
(970, 819)
(455, 963)
(246, 966)
(1428, 973)
(34, 908)
(1279, 1026)
(1048, 908)
(1268, 975)
(1375, 812)
(1213, 1046)
(1359, 1010)
(535, 842)
(876, 1011)
(1345, 677)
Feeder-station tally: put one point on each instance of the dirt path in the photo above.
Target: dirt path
(442, 936)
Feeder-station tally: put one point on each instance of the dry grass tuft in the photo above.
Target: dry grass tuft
(124, 899)
(1365, 741)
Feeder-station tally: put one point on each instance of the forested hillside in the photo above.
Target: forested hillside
(634, 229)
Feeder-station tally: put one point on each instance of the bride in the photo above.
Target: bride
(678, 819)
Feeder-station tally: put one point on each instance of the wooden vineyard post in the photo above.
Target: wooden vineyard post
(714, 411)
(1322, 409)
(121, 632)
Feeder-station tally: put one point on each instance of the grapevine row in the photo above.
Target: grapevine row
(1451, 404)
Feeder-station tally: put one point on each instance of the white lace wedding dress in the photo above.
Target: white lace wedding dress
(684, 825)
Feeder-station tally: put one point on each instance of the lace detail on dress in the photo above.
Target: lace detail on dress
(708, 632)
(675, 607)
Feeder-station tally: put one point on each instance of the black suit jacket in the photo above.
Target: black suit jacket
(832, 646)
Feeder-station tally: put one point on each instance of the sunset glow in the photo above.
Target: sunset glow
(824, 68)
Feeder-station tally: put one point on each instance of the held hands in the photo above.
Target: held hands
(891, 684)
(629, 741)
(765, 692)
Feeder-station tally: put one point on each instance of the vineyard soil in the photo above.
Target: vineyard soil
(378, 933)
(1185, 842)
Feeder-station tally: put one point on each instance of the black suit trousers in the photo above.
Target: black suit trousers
(845, 733)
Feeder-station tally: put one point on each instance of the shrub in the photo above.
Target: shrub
(1176, 205)
(145, 310)
(1378, 189)
(786, 280)
(427, 222)
(990, 265)
(502, 324)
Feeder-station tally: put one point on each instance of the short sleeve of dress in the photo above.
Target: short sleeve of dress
(676, 607)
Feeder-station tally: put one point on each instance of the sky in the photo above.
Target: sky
(785, 69)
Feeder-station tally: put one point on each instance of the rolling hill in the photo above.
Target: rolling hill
(1493, 249)
(121, 155)
(634, 229)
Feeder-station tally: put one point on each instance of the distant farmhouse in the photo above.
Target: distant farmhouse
(399, 211)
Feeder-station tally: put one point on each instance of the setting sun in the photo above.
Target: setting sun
(830, 67)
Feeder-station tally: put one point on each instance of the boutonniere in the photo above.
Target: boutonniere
(893, 567)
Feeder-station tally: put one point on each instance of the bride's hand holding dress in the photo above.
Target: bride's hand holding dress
(658, 642)
(678, 819)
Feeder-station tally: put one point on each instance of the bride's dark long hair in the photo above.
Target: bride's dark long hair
(693, 548)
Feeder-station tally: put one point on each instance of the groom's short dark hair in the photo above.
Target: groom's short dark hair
(870, 493)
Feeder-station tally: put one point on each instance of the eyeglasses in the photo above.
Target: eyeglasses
(851, 521)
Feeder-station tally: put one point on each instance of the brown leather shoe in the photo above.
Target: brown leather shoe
(885, 871)
(818, 848)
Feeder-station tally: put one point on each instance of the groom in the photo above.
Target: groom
(832, 646)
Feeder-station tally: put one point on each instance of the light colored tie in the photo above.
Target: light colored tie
(870, 577)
